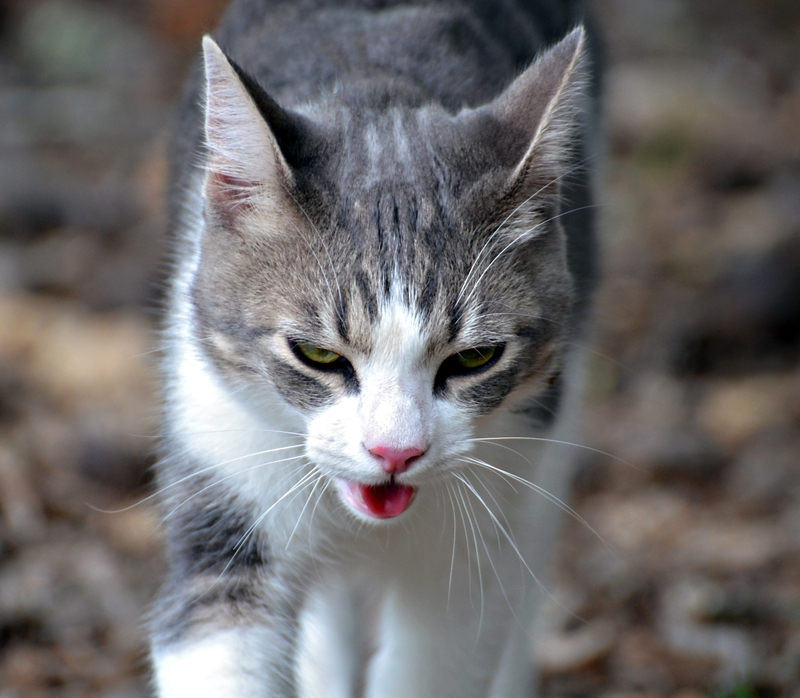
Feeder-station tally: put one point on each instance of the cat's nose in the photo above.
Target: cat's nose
(396, 460)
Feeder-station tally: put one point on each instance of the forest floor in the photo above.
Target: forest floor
(691, 586)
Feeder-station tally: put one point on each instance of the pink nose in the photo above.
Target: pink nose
(395, 460)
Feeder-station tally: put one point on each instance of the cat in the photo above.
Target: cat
(382, 257)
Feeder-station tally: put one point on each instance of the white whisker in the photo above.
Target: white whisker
(540, 490)
(246, 535)
(516, 549)
(319, 264)
(320, 477)
(453, 553)
(497, 230)
(294, 488)
(483, 542)
(478, 477)
(327, 252)
(553, 441)
(223, 479)
(466, 543)
(193, 475)
(472, 526)
(523, 234)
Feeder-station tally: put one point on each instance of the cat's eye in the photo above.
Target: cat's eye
(322, 359)
(475, 358)
(468, 361)
(317, 355)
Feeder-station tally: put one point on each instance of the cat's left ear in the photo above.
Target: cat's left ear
(533, 125)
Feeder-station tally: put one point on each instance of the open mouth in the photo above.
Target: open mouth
(383, 501)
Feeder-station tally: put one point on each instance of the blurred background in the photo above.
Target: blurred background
(694, 387)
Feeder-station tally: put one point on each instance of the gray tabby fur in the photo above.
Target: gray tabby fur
(342, 166)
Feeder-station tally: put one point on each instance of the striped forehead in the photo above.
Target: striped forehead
(386, 145)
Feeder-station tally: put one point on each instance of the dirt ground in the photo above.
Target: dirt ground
(691, 584)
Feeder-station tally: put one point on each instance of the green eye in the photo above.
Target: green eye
(467, 362)
(475, 358)
(317, 355)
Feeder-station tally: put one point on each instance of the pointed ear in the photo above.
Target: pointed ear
(536, 123)
(245, 167)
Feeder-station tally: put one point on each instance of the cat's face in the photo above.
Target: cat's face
(392, 276)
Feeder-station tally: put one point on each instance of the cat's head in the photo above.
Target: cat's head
(391, 272)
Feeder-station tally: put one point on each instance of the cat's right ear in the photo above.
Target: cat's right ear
(245, 169)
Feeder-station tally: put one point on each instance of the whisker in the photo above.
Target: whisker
(515, 452)
(478, 477)
(553, 441)
(567, 326)
(244, 538)
(519, 237)
(194, 474)
(543, 318)
(516, 549)
(303, 510)
(466, 544)
(140, 355)
(319, 264)
(547, 495)
(477, 556)
(497, 230)
(327, 252)
(247, 431)
(325, 486)
(519, 555)
(570, 328)
(453, 554)
(302, 482)
(441, 506)
(483, 542)
(596, 353)
(488, 555)
(223, 479)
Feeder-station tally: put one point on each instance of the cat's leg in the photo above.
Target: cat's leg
(226, 623)
(222, 663)
(516, 674)
(330, 646)
(446, 612)
(432, 649)
(236, 639)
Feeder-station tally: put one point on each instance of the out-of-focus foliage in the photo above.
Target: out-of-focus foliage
(694, 385)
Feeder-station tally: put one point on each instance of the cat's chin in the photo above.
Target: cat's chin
(384, 501)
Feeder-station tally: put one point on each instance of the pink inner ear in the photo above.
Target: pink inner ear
(233, 196)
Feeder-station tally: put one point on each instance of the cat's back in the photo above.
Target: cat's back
(456, 52)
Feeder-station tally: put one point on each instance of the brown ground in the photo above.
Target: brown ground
(695, 386)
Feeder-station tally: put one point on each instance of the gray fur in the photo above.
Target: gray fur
(401, 158)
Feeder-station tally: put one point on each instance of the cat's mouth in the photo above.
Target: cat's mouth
(384, 501)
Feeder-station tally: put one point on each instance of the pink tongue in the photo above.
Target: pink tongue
(386, 501)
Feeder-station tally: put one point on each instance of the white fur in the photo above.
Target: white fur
(228, 664)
